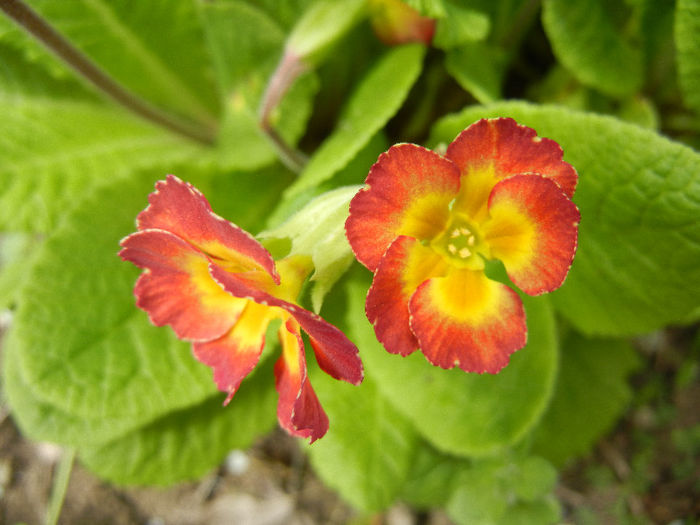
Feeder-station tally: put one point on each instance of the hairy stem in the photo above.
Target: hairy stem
(40, 29)
(288, 70)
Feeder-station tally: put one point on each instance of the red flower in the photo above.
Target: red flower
(424, 225)
(217, 287)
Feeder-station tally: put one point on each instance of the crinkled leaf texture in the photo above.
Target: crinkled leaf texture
(686, 32)
(58, 141)
(591, 393)
(186, 444)
(84, 367)
(585, 38)
(369, 449)
(459, 413)
(636, 268)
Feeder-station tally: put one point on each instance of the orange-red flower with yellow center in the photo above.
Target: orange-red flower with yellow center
(219, 288)
(425, 224)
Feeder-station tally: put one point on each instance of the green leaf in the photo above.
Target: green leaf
(368, 450)
(585, 38)
(687, 29)
(375, 100)
(17, 252)
(54, 149)
(431, 8)
(186, 444)
(639, 240)
(167, 66)
(318, 230)
(431, 479)
(42, 421)
(82, 344)
(590, 395)
(246, 45)
(491, 492)
(322, 25)
(460, 413)
(460, 26)
(478, 68)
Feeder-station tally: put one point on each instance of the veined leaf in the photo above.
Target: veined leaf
(636, 268)
(81, 343)
(52, 150)
(590, 395)
(459, 413)
(687, 30)
(586, 40)
(186, 444)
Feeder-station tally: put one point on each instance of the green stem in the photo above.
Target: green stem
(40, 29)
(60, 486)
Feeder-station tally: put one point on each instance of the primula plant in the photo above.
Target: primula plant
(457, 220)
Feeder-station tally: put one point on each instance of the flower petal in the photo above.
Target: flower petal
(181, 209)
(492, 149)
(335, 354)
(533, 230)
(299, 411)
(408, 192)
(469, 321)
(405, 266)
(234, 355)
(176, 288)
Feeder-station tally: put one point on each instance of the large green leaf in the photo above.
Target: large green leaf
(460, 413)
(687, 30)
(246, 44)
(40, 420)
(368, 451)
(636, 268)
(478, 68)
(187, 443)
(82, 344)
(57, 141)
(375, 100)
(585, 37)
(590, 395)
(156, 49)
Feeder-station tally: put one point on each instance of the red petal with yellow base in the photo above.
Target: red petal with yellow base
(181, 209)
(336, 355)
(533, 229)
(234, 355)
(176, 288)
(504, 148)
(469, 321)
(298, 410)
(408, 192)
(404, 267)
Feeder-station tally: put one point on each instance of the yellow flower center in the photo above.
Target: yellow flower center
(461, 244)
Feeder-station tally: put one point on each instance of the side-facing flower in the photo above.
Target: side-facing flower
(424, 224)
(219, 288)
